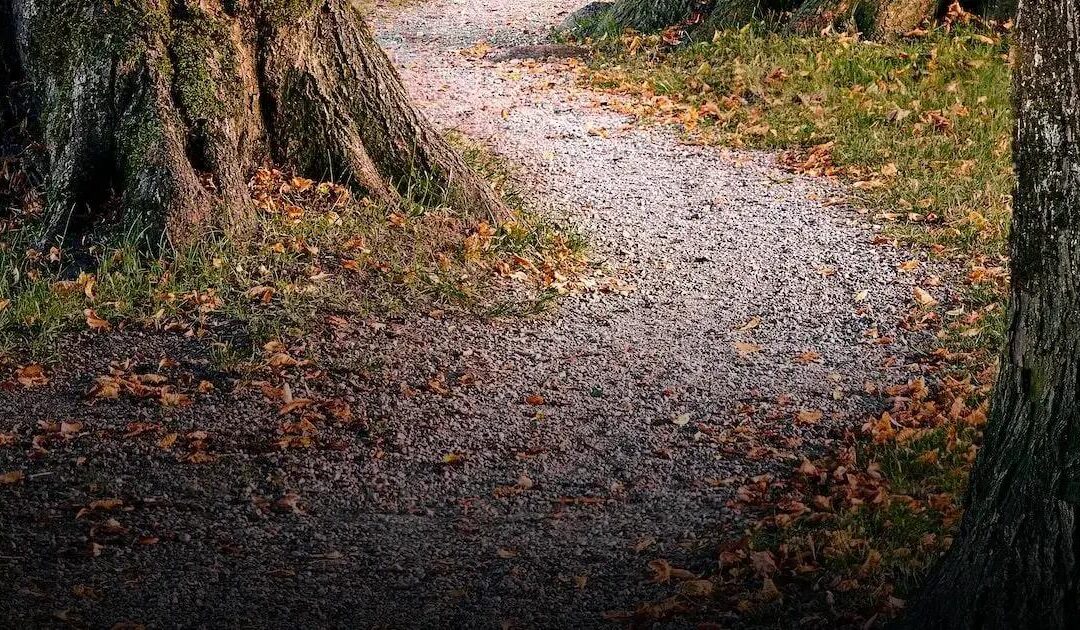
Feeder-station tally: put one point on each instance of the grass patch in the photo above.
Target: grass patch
(318, 250)
(921, 126)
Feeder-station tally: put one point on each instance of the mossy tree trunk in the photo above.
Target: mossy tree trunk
(1015, 562)
(154, 113)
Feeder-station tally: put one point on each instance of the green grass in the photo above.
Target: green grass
(315, 251)
(921, 126)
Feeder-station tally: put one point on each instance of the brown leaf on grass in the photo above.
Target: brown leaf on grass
(260, 293)
(535, 400)
(95, 322)
(4, 304)
(746, 349)
(808, 357)
(7, 439)
(808, 416)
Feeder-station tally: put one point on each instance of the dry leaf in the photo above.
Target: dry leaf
(95, 322)
(923, 297)
(750, 325)
(10, 478)
(31, 375)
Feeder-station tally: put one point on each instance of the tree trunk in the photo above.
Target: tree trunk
(653, 15)
(154, 113)
(1014, 561)
(896, 17)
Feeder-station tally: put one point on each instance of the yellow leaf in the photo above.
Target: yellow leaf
(923, 297)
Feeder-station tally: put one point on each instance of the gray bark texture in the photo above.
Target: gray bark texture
(155, 113)
(1014, 561)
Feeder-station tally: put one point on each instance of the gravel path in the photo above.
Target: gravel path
(467, 506)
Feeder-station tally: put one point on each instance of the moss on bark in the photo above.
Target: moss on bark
(156, 112)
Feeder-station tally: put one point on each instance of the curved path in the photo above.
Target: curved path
(658, 403)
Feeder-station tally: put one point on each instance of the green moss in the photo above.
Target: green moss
(280, 12)
(204, 65)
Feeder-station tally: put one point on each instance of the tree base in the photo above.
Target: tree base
(163, 112)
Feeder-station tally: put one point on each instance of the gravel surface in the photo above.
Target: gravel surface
(450, 500)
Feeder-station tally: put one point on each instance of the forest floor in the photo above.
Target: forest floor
(510, 471)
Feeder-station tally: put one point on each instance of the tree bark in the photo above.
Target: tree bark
(154, 113)
(879, 18)
(1014, 561)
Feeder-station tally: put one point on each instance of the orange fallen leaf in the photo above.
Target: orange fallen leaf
(31, 375)
(95, 322)
(923, 297)
(167, 442)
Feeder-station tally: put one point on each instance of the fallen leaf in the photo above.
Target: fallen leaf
(746, 349)
(167, 441)
(696, 588)
(31, 375)
(10, 478)
(923, 297)
(753, 323)
(95, 322)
